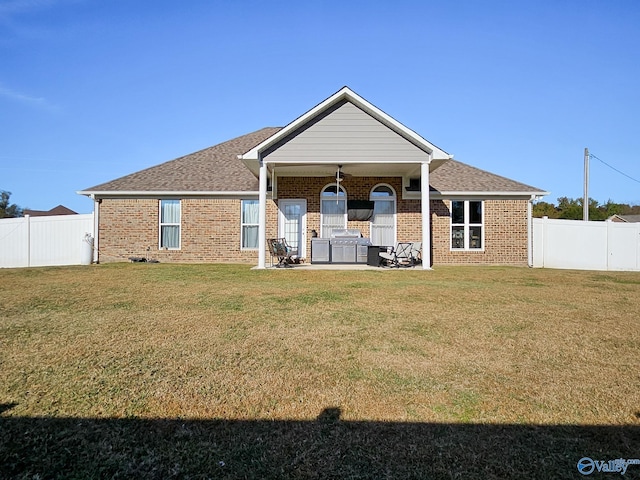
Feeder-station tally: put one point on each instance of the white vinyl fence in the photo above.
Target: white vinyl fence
(45, 241)
(582, 245)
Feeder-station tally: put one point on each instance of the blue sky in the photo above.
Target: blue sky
(94, 90)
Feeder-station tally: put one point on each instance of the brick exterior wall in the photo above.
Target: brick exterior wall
(505, 234)
(211, 229)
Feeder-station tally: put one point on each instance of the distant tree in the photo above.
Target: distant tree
(611, 208)
(545, 209)
(571, 209)
(8, 210)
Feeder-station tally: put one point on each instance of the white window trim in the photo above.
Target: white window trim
(328, 187)
(169, 224)
(393, 199)
(466, 226)
(242, 225)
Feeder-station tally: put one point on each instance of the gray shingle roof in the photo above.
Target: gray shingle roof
(214, 169)
(454, 176)
(630, 218)
(218, 169)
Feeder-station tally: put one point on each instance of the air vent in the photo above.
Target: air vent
(414, 185)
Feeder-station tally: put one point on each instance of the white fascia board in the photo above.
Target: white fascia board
(254, 152)
(458, 194)
(435, 195)
(97, 193)
(346, 93)
(435, 152)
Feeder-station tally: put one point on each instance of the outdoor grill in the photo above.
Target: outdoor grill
(348, 246)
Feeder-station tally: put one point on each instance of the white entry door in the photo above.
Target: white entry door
(292, 224)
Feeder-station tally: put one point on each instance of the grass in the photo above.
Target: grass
(363, 374)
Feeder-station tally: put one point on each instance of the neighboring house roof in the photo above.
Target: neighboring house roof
(214, 169)
(59, 210)
(625, 218)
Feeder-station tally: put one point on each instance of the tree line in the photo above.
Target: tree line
(9, 210)
(571, 209)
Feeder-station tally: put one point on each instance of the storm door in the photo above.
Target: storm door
(292, 224)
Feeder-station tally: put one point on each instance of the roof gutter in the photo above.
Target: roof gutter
(165, 193)
(529, 194)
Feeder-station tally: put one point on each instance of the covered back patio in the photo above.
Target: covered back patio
(342, 150)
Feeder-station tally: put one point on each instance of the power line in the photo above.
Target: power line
(613, 168)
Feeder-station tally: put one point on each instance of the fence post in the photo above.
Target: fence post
(28, 221)
(543, 254)
(609, 233)
(638, 246)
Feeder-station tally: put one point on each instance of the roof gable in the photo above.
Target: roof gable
(342, 133)
(341, 97)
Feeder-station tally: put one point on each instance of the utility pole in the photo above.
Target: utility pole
(585, 201)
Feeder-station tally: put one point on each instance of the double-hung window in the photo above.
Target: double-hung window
(170, 224)
(249, 221)
(467, 220)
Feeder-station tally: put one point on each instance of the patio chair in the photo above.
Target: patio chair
(404, 254)
(278, 248)
(416, 253)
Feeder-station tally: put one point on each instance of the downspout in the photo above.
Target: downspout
(96, 228)
(262, 214)
(426, 214)
(28, 218)
(529, 231)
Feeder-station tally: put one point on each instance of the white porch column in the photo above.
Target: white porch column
(262, 213)
(426, 214)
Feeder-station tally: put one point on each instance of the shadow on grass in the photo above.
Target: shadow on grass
(325, 448)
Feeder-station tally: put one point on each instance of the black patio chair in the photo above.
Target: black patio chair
(278, 248)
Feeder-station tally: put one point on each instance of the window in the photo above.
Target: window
(467, 225)
(333, 210)
(383, 222)
(170, 224)
(249, 220)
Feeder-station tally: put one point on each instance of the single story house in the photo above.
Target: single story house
(344, 164)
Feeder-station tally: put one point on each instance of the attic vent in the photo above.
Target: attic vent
(414, 185)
